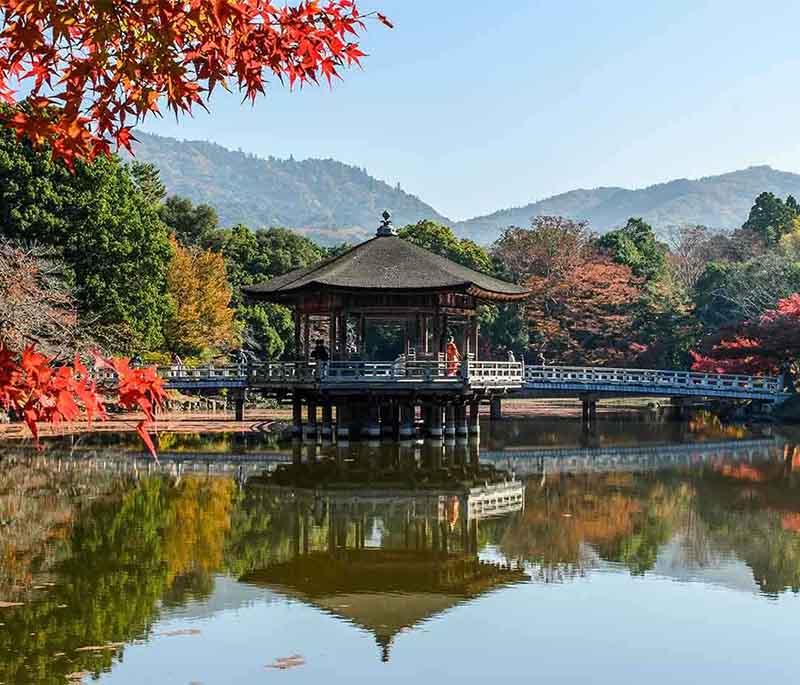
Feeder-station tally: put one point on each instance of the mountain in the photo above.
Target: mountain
(721, 202)
(326, 200)
(332, 202)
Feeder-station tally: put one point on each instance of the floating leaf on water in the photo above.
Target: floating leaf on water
(180, 631)
(61, 606)
(6, 605)
(287, 662)
(78, 675)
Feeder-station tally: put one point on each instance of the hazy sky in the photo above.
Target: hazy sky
(476, 106)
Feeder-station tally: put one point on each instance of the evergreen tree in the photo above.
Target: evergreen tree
(771, 218)
(107, 231)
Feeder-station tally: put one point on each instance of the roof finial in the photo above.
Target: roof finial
(386, 227)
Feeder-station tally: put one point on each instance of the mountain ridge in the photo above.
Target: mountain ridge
(333, 202)
(719, 201)
(328, 200)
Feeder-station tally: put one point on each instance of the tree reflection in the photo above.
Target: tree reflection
(746, 510)
(125, 551)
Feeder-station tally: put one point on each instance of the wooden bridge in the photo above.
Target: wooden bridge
(510, 378)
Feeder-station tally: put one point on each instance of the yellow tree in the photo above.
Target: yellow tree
(202, 319)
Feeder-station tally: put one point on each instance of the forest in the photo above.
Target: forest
(100, 257)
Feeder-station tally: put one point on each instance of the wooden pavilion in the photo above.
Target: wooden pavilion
(386, 281)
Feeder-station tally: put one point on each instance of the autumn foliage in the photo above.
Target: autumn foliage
(80, 75)
(585, 315)
(34, 389)
(761, 346)
(198, 284)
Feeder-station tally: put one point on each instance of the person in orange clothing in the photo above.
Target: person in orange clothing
(452, 355)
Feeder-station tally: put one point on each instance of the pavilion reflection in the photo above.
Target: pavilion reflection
(386, 539)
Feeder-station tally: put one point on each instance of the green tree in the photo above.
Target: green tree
(730, 292)
(107, 231)
(442, 241)
(770, 217)
(635, 245)
(252, 257)
(148, 180)
(191, 224)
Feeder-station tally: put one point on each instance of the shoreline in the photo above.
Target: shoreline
(259, 419)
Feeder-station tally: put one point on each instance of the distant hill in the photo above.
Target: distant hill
(716, 201)
(326, 200)
(332, 202)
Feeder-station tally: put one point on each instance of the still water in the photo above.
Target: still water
(641, 552)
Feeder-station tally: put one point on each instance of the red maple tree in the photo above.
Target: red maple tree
(79, 75)
(584, 315)
(36, 390)
(766, 345)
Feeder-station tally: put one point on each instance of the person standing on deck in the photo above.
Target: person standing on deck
(452, 355)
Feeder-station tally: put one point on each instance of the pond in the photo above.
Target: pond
(641, 551)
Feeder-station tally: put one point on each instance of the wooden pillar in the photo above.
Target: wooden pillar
(332, 335)
(373, 428)
(238, 405)
(343, 421)
(388, 426)
(461, 420)
(306, 338)
(297, 417)
(476, 336)
(311, 423)
(449, 420)
(474, 418)
(297, 336)
(437, 332)
(327, 420)
(342, 328)
(433, 420)
(496, 408)
(406, 431)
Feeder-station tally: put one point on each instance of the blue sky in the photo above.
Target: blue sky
(476, 106)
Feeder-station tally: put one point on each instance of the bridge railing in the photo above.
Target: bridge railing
(650, 377)
(202, 372)
(342, 372)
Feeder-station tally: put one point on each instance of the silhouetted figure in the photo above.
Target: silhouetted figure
(320, 352)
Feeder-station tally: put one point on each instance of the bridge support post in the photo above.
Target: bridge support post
(327, 420)
(496, 408)
(449, 420)
(388, 422)
(311, 423)
(343, 422)
(297, 417)
(433, 420)
(461, 420)
(406, 431)
(373, 426)
(238, 405)
(474, 418)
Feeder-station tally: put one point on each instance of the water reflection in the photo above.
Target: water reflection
(384, 538)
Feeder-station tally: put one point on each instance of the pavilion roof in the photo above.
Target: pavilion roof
(384, 591)
(388, 263)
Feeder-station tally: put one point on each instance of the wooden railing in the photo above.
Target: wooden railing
(649, 377)
(474, 373)
(366, 372)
